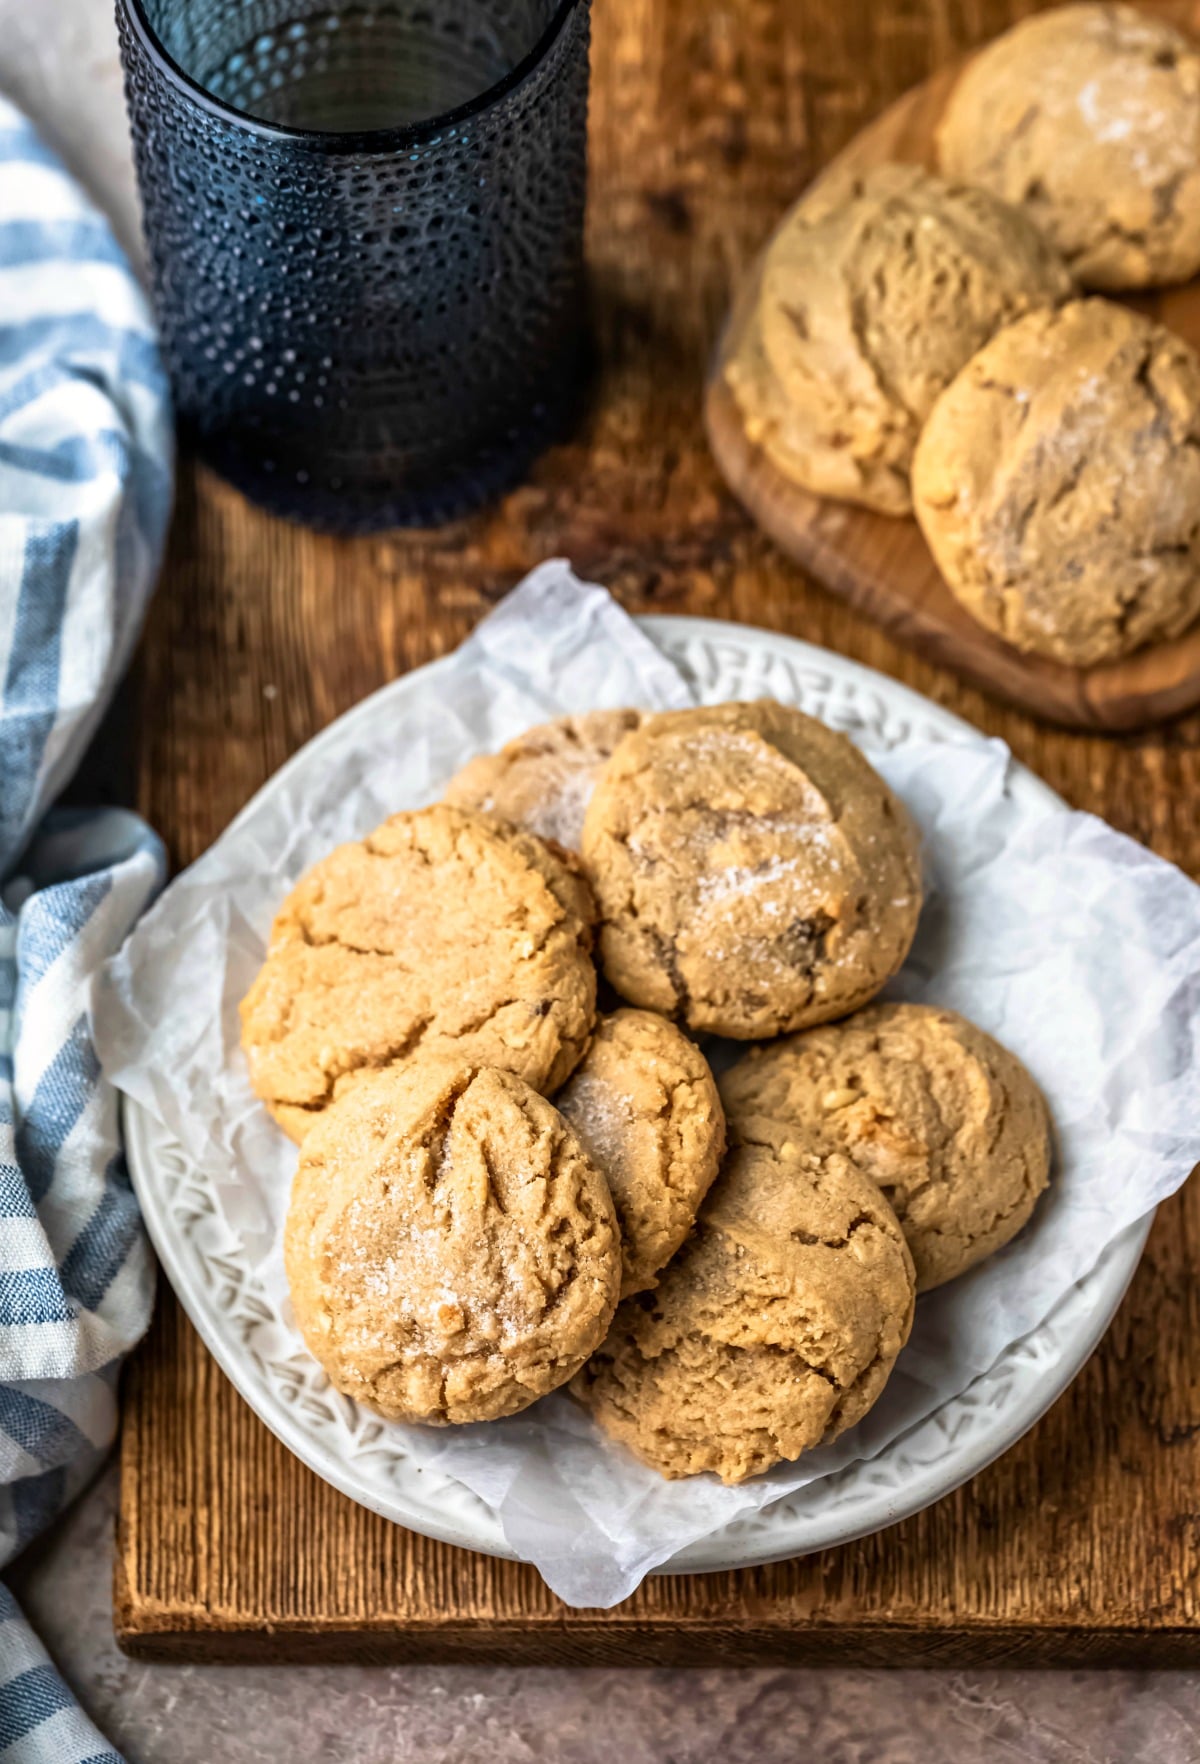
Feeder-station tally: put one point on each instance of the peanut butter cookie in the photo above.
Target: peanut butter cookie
(773, 1329)
(866, 311)
(946, 1121)
(1058, 483)
(1089, 116)
(440, 932)
(543, 780)
(645, 1107)
(754, 873)
(452, 1253)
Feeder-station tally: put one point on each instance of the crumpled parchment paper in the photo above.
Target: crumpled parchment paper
(1075, 946)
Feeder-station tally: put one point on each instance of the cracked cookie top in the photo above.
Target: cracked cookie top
(947, 1122)
(868, 306)
(440, 932)
(1058, 483)
(754, 873)
(452, 1252)
(772, 1330)
(543, 779)
(1089, 116)
(645, 1107)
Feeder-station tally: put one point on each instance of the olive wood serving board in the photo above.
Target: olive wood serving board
(881, 566)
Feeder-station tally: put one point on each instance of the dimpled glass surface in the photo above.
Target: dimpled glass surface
(370, 318)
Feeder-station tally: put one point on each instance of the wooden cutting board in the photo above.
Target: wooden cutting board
(1083, 1543)
(880, 565)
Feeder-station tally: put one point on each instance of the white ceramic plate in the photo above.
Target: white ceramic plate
(364, 1458)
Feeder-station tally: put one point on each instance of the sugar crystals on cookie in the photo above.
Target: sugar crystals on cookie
(543, 779)
(645, 1106)
(1089, 117)
(440, 932)
(1058, 483)
(754, 873)
(451, 1250)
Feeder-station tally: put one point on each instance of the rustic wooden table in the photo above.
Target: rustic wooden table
(1083, 1543)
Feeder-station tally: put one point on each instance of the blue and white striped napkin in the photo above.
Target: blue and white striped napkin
(85, 489)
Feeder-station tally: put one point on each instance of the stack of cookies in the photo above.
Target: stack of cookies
(501, 1191)
(917, 342)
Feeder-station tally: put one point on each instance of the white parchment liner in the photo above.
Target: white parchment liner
(1075, 946)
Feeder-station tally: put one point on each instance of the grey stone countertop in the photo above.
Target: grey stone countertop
(504, 1715)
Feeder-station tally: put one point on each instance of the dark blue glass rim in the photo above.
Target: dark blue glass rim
(333, 141)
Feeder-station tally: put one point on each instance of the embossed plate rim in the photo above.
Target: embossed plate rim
(291, 1397)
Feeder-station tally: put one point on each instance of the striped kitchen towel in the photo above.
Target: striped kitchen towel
(85, 487)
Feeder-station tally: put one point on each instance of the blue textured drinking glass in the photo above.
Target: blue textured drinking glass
(365, 234)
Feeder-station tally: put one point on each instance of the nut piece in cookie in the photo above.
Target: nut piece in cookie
(867, 308)
(440, 932)
(1058, 483)
(1089, 116)
(452, 1252)
(773, 1329)
(543, 780)
(645, 1107)
(754, 873)
(946, 1121)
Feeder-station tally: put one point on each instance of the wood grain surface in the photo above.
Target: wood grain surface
(882, 566)
(1083, 1543)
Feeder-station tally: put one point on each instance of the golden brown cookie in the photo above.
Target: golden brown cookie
(1058, 483)
(773, 1329)
(543, 780)
(866, 311)
(754, 873)
(946, 1121)
(1089, 116)
(440, 932)
(451, 1251)
(645, 1107)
